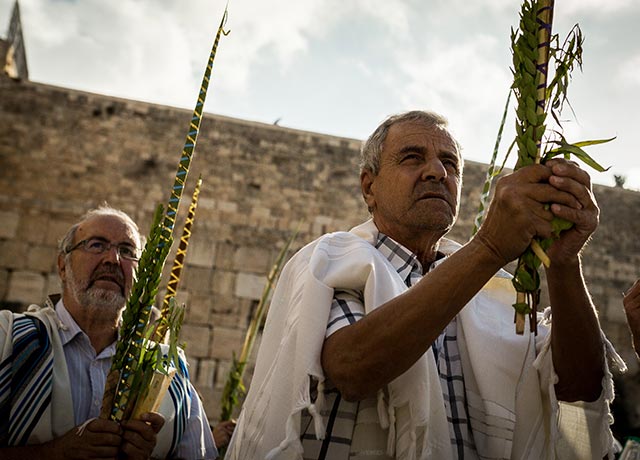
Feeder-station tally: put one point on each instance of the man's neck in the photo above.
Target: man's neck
(423, 243)
(100, 324)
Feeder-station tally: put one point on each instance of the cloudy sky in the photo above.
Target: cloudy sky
(340, 66)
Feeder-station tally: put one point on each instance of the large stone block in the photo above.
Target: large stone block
(206, 374)
(225, 342)
(615, 309)
(197, 279)
(249, 286)
(13, 254)
(228, 206)
(56, 230)
(26, 287)
(222, 373)
(10, 221)
(224, 282)
(211, 402)
(201, 252)
(197, 340)
(4, 283)
(225, 256)
(199, 309)
(53, 284)
(252, 259)
(34, 227)
(41, 258)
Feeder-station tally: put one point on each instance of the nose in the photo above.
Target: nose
(433, 170)
(112, 255)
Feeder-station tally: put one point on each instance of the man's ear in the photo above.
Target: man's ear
(366, 183)
(62, 267)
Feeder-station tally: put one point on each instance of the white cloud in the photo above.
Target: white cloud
(595, 7)
(628, 73)
(460, 81)
(350, 62)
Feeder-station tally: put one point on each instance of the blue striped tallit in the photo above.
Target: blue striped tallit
(179, 391)
(25, 381)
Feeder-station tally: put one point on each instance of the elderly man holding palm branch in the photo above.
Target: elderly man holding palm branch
(50, 398)
(391, 341)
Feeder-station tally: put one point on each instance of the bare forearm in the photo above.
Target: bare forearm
(575, 336)
(363, 357)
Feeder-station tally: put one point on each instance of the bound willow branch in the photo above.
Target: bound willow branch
(135, 355)
(532, 49)
(492, 172)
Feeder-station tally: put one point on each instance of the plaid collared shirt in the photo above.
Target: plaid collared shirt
(342, 417)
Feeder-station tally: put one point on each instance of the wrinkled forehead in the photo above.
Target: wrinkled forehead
(411, 132)
(109, 227)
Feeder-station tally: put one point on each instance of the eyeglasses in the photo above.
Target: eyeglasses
(100, 246)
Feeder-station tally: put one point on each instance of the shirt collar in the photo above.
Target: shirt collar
(70, 328)
(403, 260)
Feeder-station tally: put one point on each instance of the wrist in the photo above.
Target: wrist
(488, 251)
(565, 267)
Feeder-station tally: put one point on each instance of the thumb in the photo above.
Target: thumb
(154, 419)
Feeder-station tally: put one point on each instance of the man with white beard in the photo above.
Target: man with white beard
(54, 361)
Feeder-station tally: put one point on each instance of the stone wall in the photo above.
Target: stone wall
(63, 152)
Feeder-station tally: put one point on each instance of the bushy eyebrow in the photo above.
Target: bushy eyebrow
(442, 154)
(450, 155)
(102, 238)
(411, 148)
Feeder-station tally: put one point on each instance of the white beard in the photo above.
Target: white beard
(93, 296)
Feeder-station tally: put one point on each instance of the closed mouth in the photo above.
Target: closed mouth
(111, 278)
(429, 196)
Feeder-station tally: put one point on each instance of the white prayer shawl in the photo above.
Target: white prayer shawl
(58, 416)
(509, 379)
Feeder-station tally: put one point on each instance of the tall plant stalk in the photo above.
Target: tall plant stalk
(135, 356)
(492, 172)
(176, 269)
(234, 387)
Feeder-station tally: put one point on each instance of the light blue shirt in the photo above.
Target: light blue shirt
(88, 372)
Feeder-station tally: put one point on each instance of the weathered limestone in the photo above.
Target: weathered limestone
(64, 151)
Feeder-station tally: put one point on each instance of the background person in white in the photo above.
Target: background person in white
(631, 304)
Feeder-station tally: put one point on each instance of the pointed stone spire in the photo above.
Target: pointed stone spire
(13, 56)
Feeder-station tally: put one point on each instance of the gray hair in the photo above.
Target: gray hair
(103, 210)
(372, 147)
